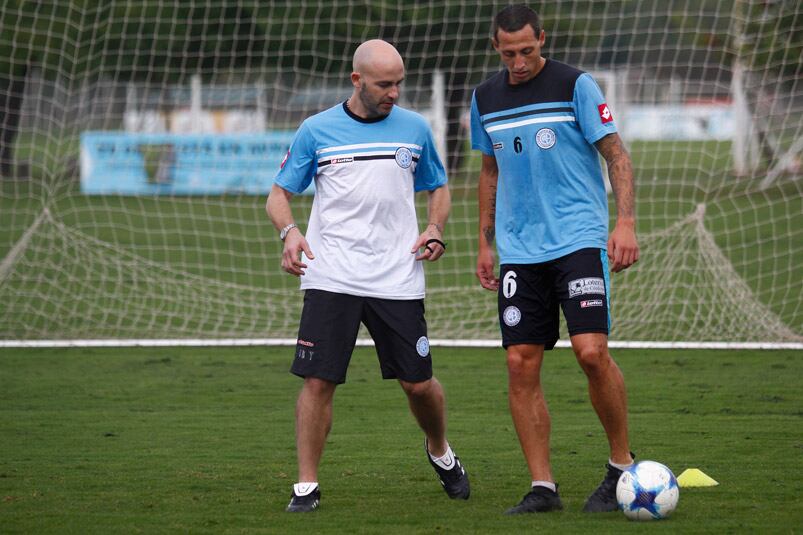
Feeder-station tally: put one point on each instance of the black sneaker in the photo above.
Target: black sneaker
(306, 503)
(603, 500)
(454, 480)
(538, 500)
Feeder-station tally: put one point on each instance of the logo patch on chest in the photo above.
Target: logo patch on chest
(545, 138)
(404, 157)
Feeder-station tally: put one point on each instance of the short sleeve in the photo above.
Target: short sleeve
(479, 137)
(429, 171)
(593, 114)
(300, 164)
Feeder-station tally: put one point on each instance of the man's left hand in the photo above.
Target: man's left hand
(432, 250)
(623, 249)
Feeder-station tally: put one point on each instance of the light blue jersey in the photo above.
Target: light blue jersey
(551, 198)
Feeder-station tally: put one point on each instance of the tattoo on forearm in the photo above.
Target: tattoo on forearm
(489, 233)
(620, 173)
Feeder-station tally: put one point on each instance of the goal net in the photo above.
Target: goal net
(138, 141)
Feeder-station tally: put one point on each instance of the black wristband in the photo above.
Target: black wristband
(435, 240)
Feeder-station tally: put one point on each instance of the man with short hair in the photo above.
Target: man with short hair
(361, 258)
(539, 125)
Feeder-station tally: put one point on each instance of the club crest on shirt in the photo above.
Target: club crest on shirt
(545, 138)
(404, 157)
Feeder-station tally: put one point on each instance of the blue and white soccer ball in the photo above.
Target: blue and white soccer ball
(647, 491)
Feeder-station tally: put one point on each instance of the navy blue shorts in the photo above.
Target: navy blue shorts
(328, 331)
(529, 296)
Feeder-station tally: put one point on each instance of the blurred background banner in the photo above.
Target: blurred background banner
(180, 164)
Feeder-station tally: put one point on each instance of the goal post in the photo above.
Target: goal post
(138, 141)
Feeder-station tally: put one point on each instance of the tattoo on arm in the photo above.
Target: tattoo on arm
(490, 234)
(620, 172)
(489, 231)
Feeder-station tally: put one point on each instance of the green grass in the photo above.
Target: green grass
(168, 440)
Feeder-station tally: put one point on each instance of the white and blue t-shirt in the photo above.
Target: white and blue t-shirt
(551, 198)
(363, 221)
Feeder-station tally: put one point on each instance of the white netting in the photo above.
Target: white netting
(192, 103)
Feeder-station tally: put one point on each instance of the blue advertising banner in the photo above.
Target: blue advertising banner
(123, 163)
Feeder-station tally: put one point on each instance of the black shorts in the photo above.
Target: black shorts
(529, 295)
(329, 325)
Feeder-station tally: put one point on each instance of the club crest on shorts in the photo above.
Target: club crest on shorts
(404, 157)
(511, 316)
(422, 346)
(545, 138)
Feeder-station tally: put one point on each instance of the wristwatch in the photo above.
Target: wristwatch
(285, 230)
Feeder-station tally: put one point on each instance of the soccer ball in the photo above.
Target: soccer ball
(647, 491)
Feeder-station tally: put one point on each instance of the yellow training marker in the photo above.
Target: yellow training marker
(693, 477)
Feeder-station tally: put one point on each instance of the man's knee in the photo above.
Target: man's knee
(420, 390)
(593, 358)
(319, 387)
(523, 363)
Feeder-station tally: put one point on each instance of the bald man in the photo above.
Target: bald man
(361, 259)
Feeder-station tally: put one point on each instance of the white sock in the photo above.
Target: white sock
(446, 461)
(548, 484)
(621, 467)
(305, 487)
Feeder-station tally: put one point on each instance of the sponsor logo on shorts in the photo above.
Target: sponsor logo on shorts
(305, 343)
(511, 316)
(345, 159)
(404, 157)
(422, 346)
(591, 303)
(591, 285)
(499, 145)
(545, 138)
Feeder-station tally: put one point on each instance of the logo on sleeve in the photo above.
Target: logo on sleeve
(605, 114)
(281, 166)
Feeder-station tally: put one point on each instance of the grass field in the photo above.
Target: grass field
(201, 441)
